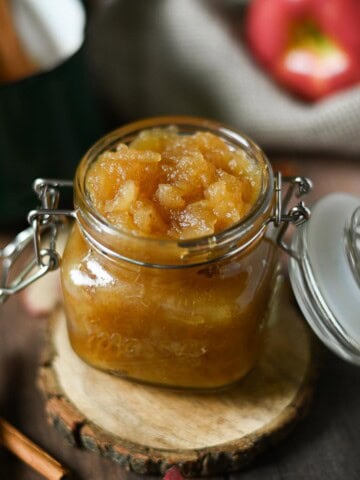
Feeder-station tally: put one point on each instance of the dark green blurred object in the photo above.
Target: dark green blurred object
(47, 122)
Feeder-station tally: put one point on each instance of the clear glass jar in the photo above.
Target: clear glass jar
(187, 314)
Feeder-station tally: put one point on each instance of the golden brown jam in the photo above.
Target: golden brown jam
(195, 327)
(174, 186)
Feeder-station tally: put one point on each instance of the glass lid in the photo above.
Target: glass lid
(325, 273)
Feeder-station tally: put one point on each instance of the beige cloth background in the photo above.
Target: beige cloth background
(175, 56)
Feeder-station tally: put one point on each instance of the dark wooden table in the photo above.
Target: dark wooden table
(326, 445)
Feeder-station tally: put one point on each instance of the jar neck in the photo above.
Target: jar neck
(165, 253)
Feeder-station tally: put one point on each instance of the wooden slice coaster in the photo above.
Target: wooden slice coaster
(148, 429)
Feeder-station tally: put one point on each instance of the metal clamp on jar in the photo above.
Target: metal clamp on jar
(46, 220)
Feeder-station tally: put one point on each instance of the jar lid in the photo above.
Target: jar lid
(325, 273)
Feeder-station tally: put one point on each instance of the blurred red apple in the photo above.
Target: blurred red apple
(173, 473)
(312, 47)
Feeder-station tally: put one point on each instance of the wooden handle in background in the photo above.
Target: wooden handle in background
(14, 61)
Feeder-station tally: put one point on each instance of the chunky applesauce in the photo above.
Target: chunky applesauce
(174, 186)
(199, 324)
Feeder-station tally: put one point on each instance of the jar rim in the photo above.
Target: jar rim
(85, 208)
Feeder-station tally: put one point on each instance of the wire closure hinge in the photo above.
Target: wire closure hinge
(296, 215)
(43, 231)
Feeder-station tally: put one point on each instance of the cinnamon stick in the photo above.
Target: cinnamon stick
(30, 453)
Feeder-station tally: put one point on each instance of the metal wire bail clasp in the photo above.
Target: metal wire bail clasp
(296, 215)
(43, 231)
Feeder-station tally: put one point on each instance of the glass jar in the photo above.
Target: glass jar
(178, 313)
(185, 314)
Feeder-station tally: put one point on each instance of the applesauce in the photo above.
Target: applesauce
(168, 272)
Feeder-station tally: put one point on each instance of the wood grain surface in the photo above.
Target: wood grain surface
(324, 446)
